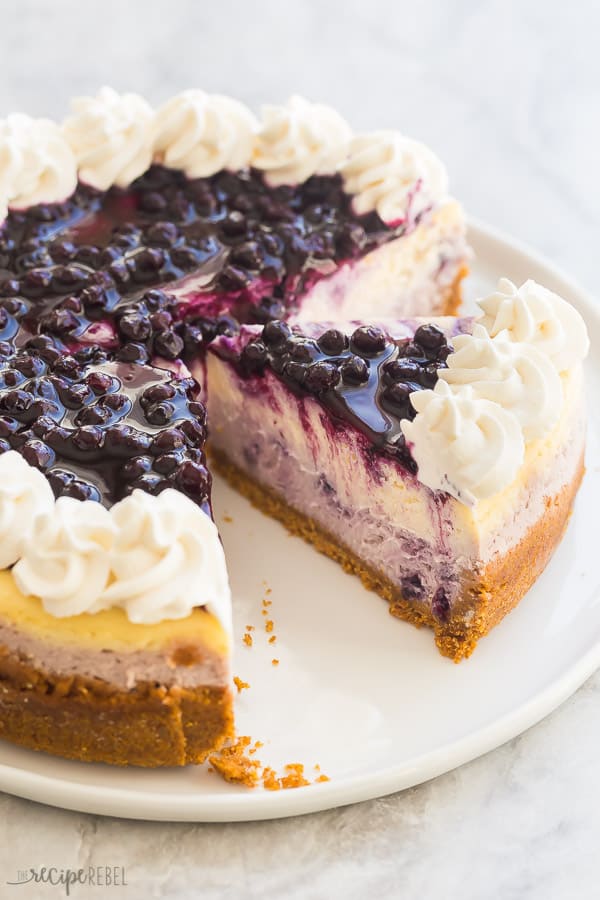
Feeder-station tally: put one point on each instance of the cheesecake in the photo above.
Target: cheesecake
(275, 297)
(435, 461)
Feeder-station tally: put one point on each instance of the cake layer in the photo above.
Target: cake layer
(142, 694)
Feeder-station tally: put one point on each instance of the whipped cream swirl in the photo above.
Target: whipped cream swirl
(166, 560)
(66, 561)
(111, 137)
(202, 133)
(156, 557)
(393, 175)
(516, 376)
(298, 140)
(36, 163)
(466, 446)
(24, 495)
(537, 316)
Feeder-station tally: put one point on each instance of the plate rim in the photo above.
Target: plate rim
(148, 805)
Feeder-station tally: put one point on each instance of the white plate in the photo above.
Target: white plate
(366, 697)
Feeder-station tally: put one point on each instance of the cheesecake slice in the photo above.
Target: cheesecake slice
(100, 688)
(115, 611)
(435, 461)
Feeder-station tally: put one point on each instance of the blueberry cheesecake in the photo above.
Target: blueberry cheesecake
(437, 459)
(278, 292)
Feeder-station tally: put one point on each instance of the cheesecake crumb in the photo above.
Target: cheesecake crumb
(317, 767)
(250, 628)
(264, 612)
(270, 780)
(269, 626)
(247, 639)
(233, 764)
(227, 518)
(273, 638)
(295, 777)
(267, 603)
(274, 662)
(240, 685)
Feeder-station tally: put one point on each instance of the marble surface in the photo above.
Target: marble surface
(508, 93)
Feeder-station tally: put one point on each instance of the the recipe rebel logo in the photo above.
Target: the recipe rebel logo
(91, 876)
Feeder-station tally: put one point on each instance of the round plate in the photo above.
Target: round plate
(364, 696)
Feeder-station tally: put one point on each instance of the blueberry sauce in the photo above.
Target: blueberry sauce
(98, 428)
(96, 289)
(365, 378)
(228, 245)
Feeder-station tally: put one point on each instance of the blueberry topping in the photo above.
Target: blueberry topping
(333, 342)
(368, 339)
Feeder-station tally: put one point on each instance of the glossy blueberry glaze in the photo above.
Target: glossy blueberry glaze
(98, 428)
(364, 377)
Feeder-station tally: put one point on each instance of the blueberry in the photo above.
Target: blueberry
(89, 437)
(153, 202)
(123, 440)
(333, 342)
(163, 234)
(135, 327)
(369, 339)
(135, 467)
(321, 377)
(429, 336)
(81, 490)
(133, 353)
(195, 432)
(167, 441)
(16, 402)
(166, 463)
(160, 413)
(193, 479)
(274, 334)
(93, 415)
(253, 357)
(249, 255)
(395, 398)
(355, 370)
(157, 393)
(232, 278)
(101, 383)
(169, 344)
(403, 370)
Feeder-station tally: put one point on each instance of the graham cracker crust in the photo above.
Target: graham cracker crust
(91, 721)
(485, 599)
(452, 298)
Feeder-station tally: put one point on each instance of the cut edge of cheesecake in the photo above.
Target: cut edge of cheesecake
(99, 688)
(466, 567)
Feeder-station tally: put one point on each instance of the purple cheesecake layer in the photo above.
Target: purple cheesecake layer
(123, 669)
(362, 375)
(370, 503)
(333, 456)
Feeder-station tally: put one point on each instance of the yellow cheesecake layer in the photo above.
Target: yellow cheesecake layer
(109, 629)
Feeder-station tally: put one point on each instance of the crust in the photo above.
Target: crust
(484, 600)
(88, 720)
(452, 298)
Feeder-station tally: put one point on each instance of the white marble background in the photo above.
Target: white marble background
(508, 93)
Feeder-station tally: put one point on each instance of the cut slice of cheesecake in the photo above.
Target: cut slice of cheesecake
(100, 688)
(318, 427)
(115, 611)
